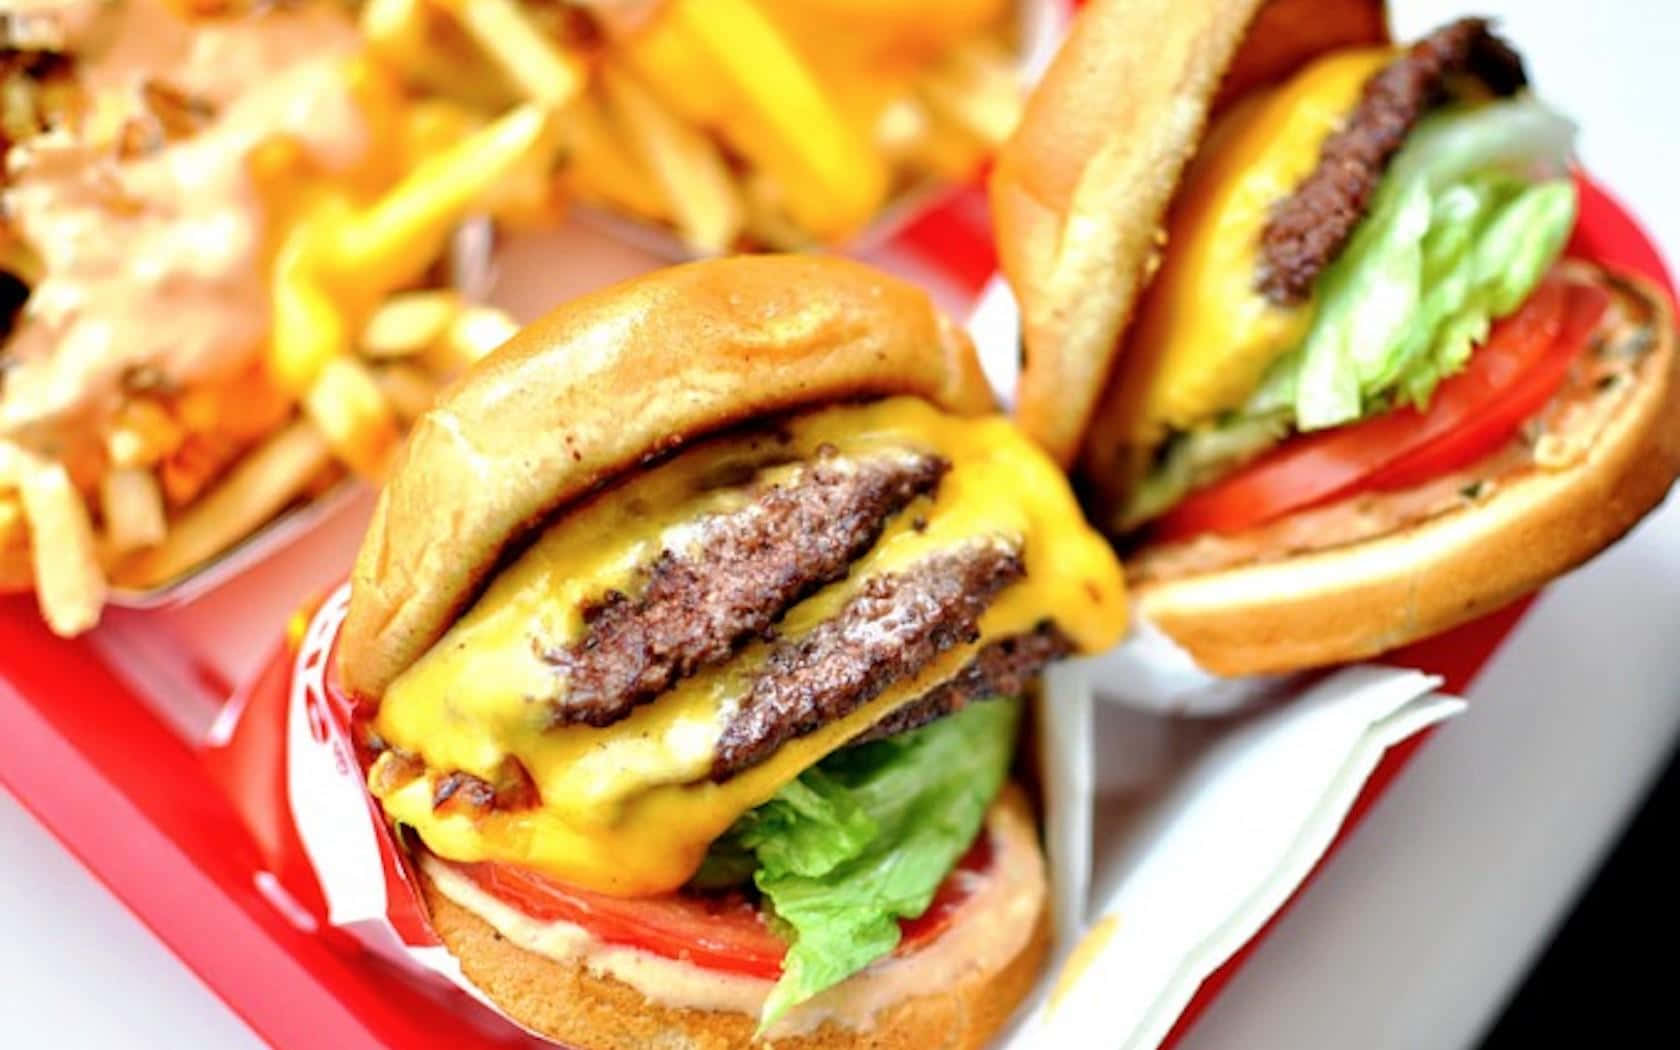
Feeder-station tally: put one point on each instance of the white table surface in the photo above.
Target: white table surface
(1422, 925)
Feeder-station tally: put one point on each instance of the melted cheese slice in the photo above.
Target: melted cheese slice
(1189, 362)
(629, 809)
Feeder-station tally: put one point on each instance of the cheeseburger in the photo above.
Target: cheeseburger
(690, 631)
(1296, 311)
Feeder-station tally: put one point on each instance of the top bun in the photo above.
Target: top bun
(606, 382)
(1080, 191)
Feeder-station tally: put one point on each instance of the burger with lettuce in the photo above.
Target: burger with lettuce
(1297, 310)
(689, 640)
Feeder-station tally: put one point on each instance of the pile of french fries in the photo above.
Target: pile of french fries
(780, 124)
(363, 333)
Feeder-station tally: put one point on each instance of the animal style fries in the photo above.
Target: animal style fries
(737, 123)
(221, 230)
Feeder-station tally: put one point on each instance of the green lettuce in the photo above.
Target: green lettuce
(1471, 213)
(864, 839)
(1459, 232)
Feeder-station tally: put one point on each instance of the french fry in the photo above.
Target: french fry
(409, 390)
(308, 327)
(261, 486)
(975, 87)
(392, 242)
(698, 188)
(767, 220)
(432, 126)
(413, 37)
(886, 26)
(15, 571)
(69, 582)
(912, 136)
(409, 322)
(666, 58)
(189, 469)
(131, 503)
(476, 331)
(250, 405)
(834, 181)
(546, 73)
(13, 529)
(199, 409)
(346, 406)
(601, 167)
(143, 433)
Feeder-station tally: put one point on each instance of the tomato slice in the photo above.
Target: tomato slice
(724, 932)
(1509, 379)
(1485, 430)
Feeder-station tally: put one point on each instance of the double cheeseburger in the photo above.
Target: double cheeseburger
(1295, 309)
(690, 630)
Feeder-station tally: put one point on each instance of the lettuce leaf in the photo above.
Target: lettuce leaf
(864, 839)
(1471, 213)
(1459, 232)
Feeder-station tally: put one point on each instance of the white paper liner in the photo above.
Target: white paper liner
(1192, 860)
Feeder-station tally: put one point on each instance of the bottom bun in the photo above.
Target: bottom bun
(943, 995)
(1322, 587)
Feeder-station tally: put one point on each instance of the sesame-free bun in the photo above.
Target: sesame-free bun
(1080, 191)
(606, 382)
(922, 1004)
(1346, 601)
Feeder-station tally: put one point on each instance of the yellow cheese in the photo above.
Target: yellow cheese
(630, 809)
(1203, 336)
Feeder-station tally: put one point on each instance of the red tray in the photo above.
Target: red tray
(188, 833)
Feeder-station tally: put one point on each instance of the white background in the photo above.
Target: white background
(1426, 919)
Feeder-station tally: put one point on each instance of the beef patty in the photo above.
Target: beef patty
(746, 568)
(1002, 668)
(890, 630)
(1310, 227)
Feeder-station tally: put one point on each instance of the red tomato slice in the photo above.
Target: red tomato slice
(723, 932)
(1509, 378)
(1484, 431)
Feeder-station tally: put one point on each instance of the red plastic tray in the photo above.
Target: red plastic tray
(190, 838)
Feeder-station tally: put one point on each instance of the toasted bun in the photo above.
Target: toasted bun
(602, 384)
(566, 1002)
(1080, 191)
(1355, 601)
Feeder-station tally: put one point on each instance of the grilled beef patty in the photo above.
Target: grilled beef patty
(1002, 668)
(749, 566)
(892, 628)
(1311, 226)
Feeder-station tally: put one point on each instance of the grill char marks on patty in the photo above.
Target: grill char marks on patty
(1002, 668)
(747, 568)
(892, 628)
(1310, 227)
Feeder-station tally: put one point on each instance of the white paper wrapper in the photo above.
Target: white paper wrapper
(1202, 832)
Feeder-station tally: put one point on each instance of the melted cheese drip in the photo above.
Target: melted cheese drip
(1191, 363)
(628, 809)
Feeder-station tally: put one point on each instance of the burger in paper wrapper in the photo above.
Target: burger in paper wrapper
(684, 653)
